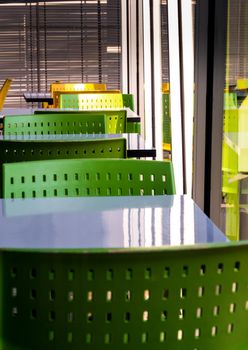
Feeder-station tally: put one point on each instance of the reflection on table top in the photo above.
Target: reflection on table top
(37, 94)
(131, 116)
(104, 222)
(38, 97)
(136, 145)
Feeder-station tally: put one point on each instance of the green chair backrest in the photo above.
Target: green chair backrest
(87, 177)
(179, 298)
(43, 124)
(166, 118)
(128, 101)
(18, 151)
(91, 101)
(96, 101)
(116, 119)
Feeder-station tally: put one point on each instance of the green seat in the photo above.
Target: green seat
(116, 119)
(43, 124)
(87, 177)
(28, 150)
(179, 298)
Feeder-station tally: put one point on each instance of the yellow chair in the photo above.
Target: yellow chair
(3, 92)
(166, 87)
(57, 86)
(72, 87)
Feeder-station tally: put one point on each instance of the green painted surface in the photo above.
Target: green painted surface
(54, 124)
(87, 177)
(179, 298)
(18, 151)
(166, 118)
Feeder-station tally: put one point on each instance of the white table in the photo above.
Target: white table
(105, 222)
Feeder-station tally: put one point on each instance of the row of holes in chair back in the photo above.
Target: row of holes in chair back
(86, 177)
(169, 299)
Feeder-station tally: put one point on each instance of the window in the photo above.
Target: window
(70, 41)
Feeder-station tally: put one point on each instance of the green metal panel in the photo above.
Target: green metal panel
(232, 215)
(128, 101)
(166, 118)
(91, 101)
(177, 299)
(87, 177)
(133, 127)
(230, 167)
(18, 151)
(54, 124)
(243, 128)
(116, 119)
(229, 156)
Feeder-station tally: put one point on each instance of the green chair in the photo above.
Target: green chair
(116, 119)
(54, 124)
(179, 298)
(90, 100)
(128, 101)
(98, 101)
(87, 177)
(166, 121)
(29, 150)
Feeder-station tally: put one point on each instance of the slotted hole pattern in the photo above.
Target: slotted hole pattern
(84, 178)
(156, 304)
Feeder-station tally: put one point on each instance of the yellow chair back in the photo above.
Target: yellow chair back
(3, 92)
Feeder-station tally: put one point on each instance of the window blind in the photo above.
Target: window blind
(237, 53)
(70, 41)
(164, 41)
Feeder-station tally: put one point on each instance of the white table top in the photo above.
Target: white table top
(104, 222)
(18, 111)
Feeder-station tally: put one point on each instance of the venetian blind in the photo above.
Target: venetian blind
(164, 41)
(237, 51)
(70, 41)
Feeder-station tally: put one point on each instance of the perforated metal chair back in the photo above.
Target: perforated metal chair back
(57, 86)
(87, 177)
(91, 101)
(116, 120)
(19, 151)
(128, 101)
(42, 124)
(179, 298)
